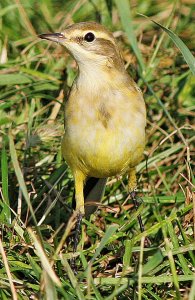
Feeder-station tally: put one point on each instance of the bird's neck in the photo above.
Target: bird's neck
(96, 74)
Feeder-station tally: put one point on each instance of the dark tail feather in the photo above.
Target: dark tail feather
(93, 192)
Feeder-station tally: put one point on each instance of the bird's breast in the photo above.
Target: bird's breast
(104, 136)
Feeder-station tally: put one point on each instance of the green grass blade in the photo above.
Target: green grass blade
(175, 243)
(19, 175)
(155, 260)
(128, 254)
(145, 279)
(6, 10)
(189, 58)
(47, 268)
(192, 290)
(50, 290)
(72, 278)
(109, 233)
(11, 79)
(124, 10)
(4, 175)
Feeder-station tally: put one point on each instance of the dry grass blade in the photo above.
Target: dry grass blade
(72, 278)
(44, 259)
(4, 258)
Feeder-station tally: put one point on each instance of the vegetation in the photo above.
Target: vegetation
(114, 260)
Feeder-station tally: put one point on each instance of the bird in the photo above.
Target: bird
(105, 114)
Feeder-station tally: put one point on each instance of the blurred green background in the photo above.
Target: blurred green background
(35, 77)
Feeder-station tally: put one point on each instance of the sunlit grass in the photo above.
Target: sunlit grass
(114, 260)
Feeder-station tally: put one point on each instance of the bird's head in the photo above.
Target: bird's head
(88, 43)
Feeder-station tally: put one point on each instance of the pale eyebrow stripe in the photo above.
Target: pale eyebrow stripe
(99, 34)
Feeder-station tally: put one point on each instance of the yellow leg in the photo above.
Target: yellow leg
(79, 184)
(132, 181)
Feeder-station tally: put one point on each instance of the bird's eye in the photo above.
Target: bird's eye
(89, 37)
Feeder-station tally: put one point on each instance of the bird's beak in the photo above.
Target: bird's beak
(54, 37)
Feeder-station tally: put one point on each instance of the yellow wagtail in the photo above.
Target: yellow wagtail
(105, 114)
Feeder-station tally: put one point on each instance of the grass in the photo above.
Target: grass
(114, 260)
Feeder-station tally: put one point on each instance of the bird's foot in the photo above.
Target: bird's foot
(134, 198)
(77, 231)
(137, 201)
(76, 238)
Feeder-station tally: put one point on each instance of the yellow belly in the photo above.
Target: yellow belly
(102, 152)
